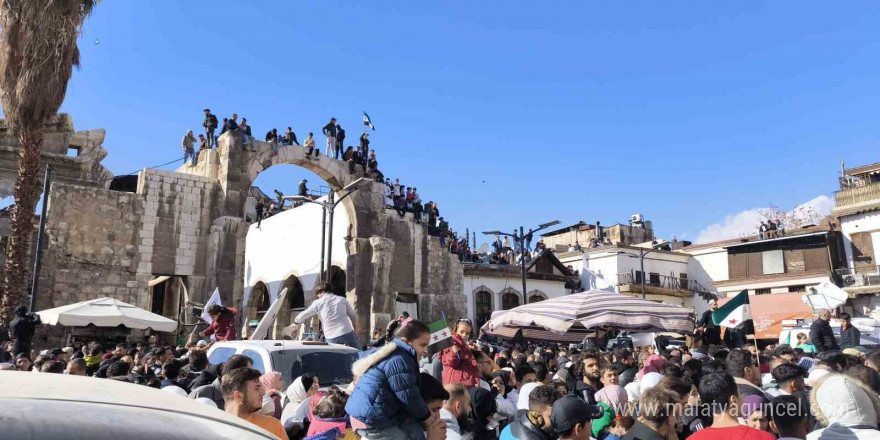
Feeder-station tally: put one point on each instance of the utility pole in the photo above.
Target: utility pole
(522, 249)
(38, 258)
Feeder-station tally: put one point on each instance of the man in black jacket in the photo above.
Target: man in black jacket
(210, 125)
(821, 334)
(849, 335)
(534, 424)
(624, 363)
(711, 332)
(330, 132)
(340, 138)
(21, 330)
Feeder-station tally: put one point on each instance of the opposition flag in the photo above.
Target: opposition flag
(734, 313)
(441, 337)
(367, 121)
(214, 299)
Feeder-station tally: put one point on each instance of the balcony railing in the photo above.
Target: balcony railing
(862, 276)
(859, 194)
(663, 282)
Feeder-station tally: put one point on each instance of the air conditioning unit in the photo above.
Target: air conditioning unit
(637, 218)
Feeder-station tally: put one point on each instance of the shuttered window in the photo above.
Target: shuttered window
(816, 259)
(863, 251)
(738, 265)
(756, 265)
(794, 260)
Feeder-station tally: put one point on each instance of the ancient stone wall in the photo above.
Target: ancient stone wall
(92, 246)
(189, 224)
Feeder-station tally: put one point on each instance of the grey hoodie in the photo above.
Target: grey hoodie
(848, 409)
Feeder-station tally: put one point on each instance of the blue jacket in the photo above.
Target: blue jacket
(388, 389)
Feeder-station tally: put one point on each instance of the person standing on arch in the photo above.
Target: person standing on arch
(340, 138)
(337, 318)
(330, 132)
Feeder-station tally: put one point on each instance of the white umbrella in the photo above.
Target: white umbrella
(106, 312)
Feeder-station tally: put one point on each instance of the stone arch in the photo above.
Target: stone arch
(537, 296)
(484, 299)
(294, 301)
(336, 280)
(259, 302)
(510, 298)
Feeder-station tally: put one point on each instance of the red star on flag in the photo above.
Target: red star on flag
(435, 338)
(733, 322)
(445, 334)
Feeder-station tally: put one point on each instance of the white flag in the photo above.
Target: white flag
(214, 299)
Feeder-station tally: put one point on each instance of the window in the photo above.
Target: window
(509, 301)
(258, 360)
(482, 306)
(221, 355)
(654, 279)
(762, 291)
(331, 367)
(797, 288)
(72, 151)
(683, 281)
(638, 277)
(772, 262)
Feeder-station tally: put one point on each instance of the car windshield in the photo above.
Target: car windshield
(331, 367)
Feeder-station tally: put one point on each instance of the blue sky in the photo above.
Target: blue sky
(510, 113)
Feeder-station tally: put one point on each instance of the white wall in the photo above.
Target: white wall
(708, 266)
(289, 243)
(851, 224)
(472, 283)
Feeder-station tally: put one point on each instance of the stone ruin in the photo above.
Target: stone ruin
(121, 236)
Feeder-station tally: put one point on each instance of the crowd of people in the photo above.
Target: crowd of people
(405, 389)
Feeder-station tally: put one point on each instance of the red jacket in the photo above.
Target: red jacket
(460, 367)
(223, 327)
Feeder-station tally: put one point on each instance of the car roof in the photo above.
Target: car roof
(61, 388)
(276, 345)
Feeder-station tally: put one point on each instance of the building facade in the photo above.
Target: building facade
(585, 235)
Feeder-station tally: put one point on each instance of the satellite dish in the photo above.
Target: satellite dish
(483, 249)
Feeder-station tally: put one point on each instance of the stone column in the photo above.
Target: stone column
(382, 298)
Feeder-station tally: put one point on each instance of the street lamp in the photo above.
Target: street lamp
(522, 249)
(329, 207)
(642, 254)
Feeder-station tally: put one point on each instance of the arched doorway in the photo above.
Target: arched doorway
(482, 306)
(337, 280)
(536, 296)
(294, 302)
(258, 303)
(509, 300)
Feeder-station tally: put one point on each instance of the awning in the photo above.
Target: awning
(768, 312)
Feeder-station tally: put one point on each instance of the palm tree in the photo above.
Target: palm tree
(37, 54)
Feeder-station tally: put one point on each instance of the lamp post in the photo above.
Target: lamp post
(329, 207)
(642, 254)
(522, 250)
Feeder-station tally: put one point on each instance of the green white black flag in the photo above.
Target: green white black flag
(441, 337)
(734, 313)
(367, 121)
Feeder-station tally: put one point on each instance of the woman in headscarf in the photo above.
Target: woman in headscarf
(501, 383)
(272, 397)
(483, 406)
(615, 397)
(302, 388)
(653, 364)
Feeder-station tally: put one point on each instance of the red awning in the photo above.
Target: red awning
(768, 311)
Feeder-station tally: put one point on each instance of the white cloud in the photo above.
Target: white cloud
(746, 222)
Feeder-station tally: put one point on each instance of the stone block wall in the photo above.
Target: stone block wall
(92, 246)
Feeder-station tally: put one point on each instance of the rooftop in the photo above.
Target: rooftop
(823, 226)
